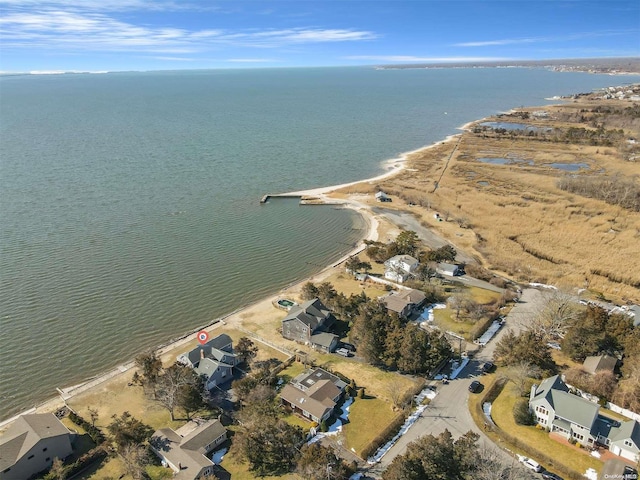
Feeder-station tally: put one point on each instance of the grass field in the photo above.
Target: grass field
(368, 418)
(575, 459)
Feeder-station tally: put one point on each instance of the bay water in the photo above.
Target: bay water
(129, 202)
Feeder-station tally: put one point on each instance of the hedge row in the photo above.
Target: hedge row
(386, 435)
(94, 432)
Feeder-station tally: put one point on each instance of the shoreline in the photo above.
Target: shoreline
(394, 167)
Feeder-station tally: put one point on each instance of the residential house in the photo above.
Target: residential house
(634, 311)
(31, 443)
(625, 440)
(214, 360)
(560, 411)
(404, 302)
(185, 451)
(599, 362)
(382, 197)
(308, 323)
(448, 269)
(219, 347)
(400, 268)
(313, 394)
(576, 418)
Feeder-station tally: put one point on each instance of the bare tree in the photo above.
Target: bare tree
(93, 414)
(135, 458)
(556, 316)
(520, 374)
(170, 385)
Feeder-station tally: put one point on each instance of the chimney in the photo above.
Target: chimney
(202, 354)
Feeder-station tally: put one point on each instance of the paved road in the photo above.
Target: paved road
(408, 222)
(449, 409)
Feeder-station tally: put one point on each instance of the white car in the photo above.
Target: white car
(532, 464)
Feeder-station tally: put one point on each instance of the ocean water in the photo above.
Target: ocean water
(129, 209)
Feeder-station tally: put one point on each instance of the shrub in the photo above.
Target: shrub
(521, 413)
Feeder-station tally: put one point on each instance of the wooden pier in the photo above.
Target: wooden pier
(268, 196)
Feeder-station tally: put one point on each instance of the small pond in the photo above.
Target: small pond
(569, 167)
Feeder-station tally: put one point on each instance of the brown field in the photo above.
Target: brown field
(518, 222)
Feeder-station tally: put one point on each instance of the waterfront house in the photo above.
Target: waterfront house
(31, 443)
(219, 347)
(576, 418)
(308, 323)
(404, 302)
(313, 394)
(400, 268)
(214, 361)
(382, 197)
(186, 451)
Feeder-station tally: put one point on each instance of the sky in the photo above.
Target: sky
(117, 35)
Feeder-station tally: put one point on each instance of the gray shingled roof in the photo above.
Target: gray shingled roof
(629, 430)
(566, 405)
(600, 362)
(188, 451)
(25, 433)
(323, 339)
(312, 313)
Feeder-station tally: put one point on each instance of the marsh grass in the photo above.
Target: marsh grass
(524, 226)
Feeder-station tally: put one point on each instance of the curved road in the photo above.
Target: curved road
(449, 409)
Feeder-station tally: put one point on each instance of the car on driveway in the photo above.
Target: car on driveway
(475, 386)
(487, 367)
(550, 476)
(344, 352)
(532, 464)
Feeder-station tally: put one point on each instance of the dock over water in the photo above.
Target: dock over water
(304, 198)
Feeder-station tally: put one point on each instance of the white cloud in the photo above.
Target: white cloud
(99, 31)
(560, 38)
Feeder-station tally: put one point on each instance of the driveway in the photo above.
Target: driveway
(449, 409)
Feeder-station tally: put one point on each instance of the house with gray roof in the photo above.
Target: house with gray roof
(31, 443)
(576, 418)
(313, 394)
(404, 302)
(625, 440)
(560, 411)
(186, 451)
(599, 362)
(448, 269)
(214, 360)
(308, 323)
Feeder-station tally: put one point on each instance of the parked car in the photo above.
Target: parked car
(348, 346)
(487, 367)
(532, 464)
(344, 352)
(550, 476)
(475, 386)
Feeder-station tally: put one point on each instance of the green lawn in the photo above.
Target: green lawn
(368, 418)
(502, 414)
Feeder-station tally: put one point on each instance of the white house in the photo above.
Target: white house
(400, 268)
(448, 269)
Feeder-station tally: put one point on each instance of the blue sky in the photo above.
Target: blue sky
(98, 35)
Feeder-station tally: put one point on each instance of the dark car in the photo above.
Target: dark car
(487, 367)
(550, 476)
(475, 386)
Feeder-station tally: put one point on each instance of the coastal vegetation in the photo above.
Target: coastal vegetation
(562, 212)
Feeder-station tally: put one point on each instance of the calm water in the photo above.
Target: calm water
(129, 201)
